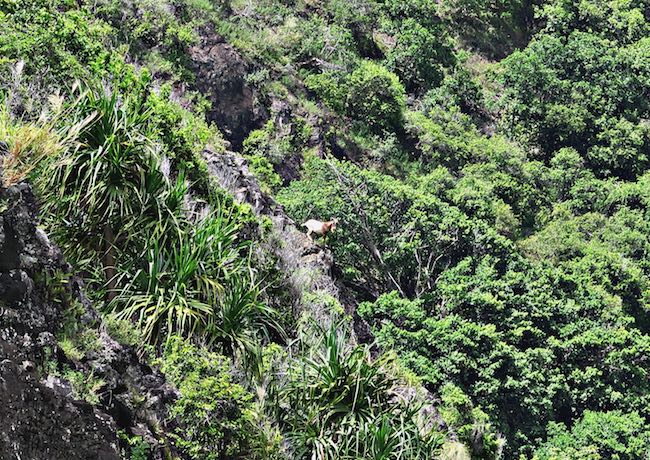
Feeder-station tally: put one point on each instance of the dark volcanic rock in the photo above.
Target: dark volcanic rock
(39, 417)
(37, 421)
(220, 73)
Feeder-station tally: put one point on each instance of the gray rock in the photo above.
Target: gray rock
(39, 416)
(308, 266)
(220, 73)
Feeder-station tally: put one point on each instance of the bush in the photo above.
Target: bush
(193, 280)
(495, 27)
(376, 98)
(598, 435)
(329, 88)
(420, 55)
(582, 91)
(387, 226)
(57, 40)
(98, 185)
(213, 411)
(338, 403)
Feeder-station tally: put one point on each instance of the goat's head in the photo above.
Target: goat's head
(333, 221)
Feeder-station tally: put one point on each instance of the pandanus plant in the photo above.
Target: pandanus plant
(98, 187)
(339, 403)
(167, 270)
(174, 286)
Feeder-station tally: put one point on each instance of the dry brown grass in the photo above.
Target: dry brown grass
(29, 143)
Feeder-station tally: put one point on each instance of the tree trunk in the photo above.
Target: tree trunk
(108, 262)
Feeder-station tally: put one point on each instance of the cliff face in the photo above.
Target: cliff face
(220, 73)
(309, 268)
(40, 417)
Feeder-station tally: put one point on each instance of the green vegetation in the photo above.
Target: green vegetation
(215, 413)
(581, 85)
(376, 97)
(338, 403)
(84, 386)
(138, 449)
(598, 435)
(489, 164)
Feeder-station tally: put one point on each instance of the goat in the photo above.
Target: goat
(320, 228)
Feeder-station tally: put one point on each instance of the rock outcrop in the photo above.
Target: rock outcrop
(220, 73)
(310, 272)
(37, 420)
(40, 417)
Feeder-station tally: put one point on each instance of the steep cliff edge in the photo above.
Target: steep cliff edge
(38, 418)
(220, 73)
(308, 266)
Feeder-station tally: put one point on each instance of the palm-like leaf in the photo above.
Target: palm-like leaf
(339, 405)
(103, 177)
(98, 187)
(194, 280)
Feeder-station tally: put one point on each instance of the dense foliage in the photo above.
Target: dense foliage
(489, 165)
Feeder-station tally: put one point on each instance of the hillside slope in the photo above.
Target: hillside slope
(486, 293)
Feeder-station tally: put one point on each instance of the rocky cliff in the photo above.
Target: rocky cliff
(220, 72)
(41, 414)
(309, 268)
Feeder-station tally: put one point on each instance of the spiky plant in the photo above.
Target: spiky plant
(108, 197)
(98, 188)
(345, 379)
(339, 404)
(241, 317)
(194, 279)
(391, 436)
(30, 143)
(177, 283)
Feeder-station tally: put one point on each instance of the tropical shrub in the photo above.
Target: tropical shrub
(375, 97)
(214, 412)
(99, 185)
(389, 226)
(598, 435)
(339, 403)
(181, 280)
(593, 108)
(420, 55)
